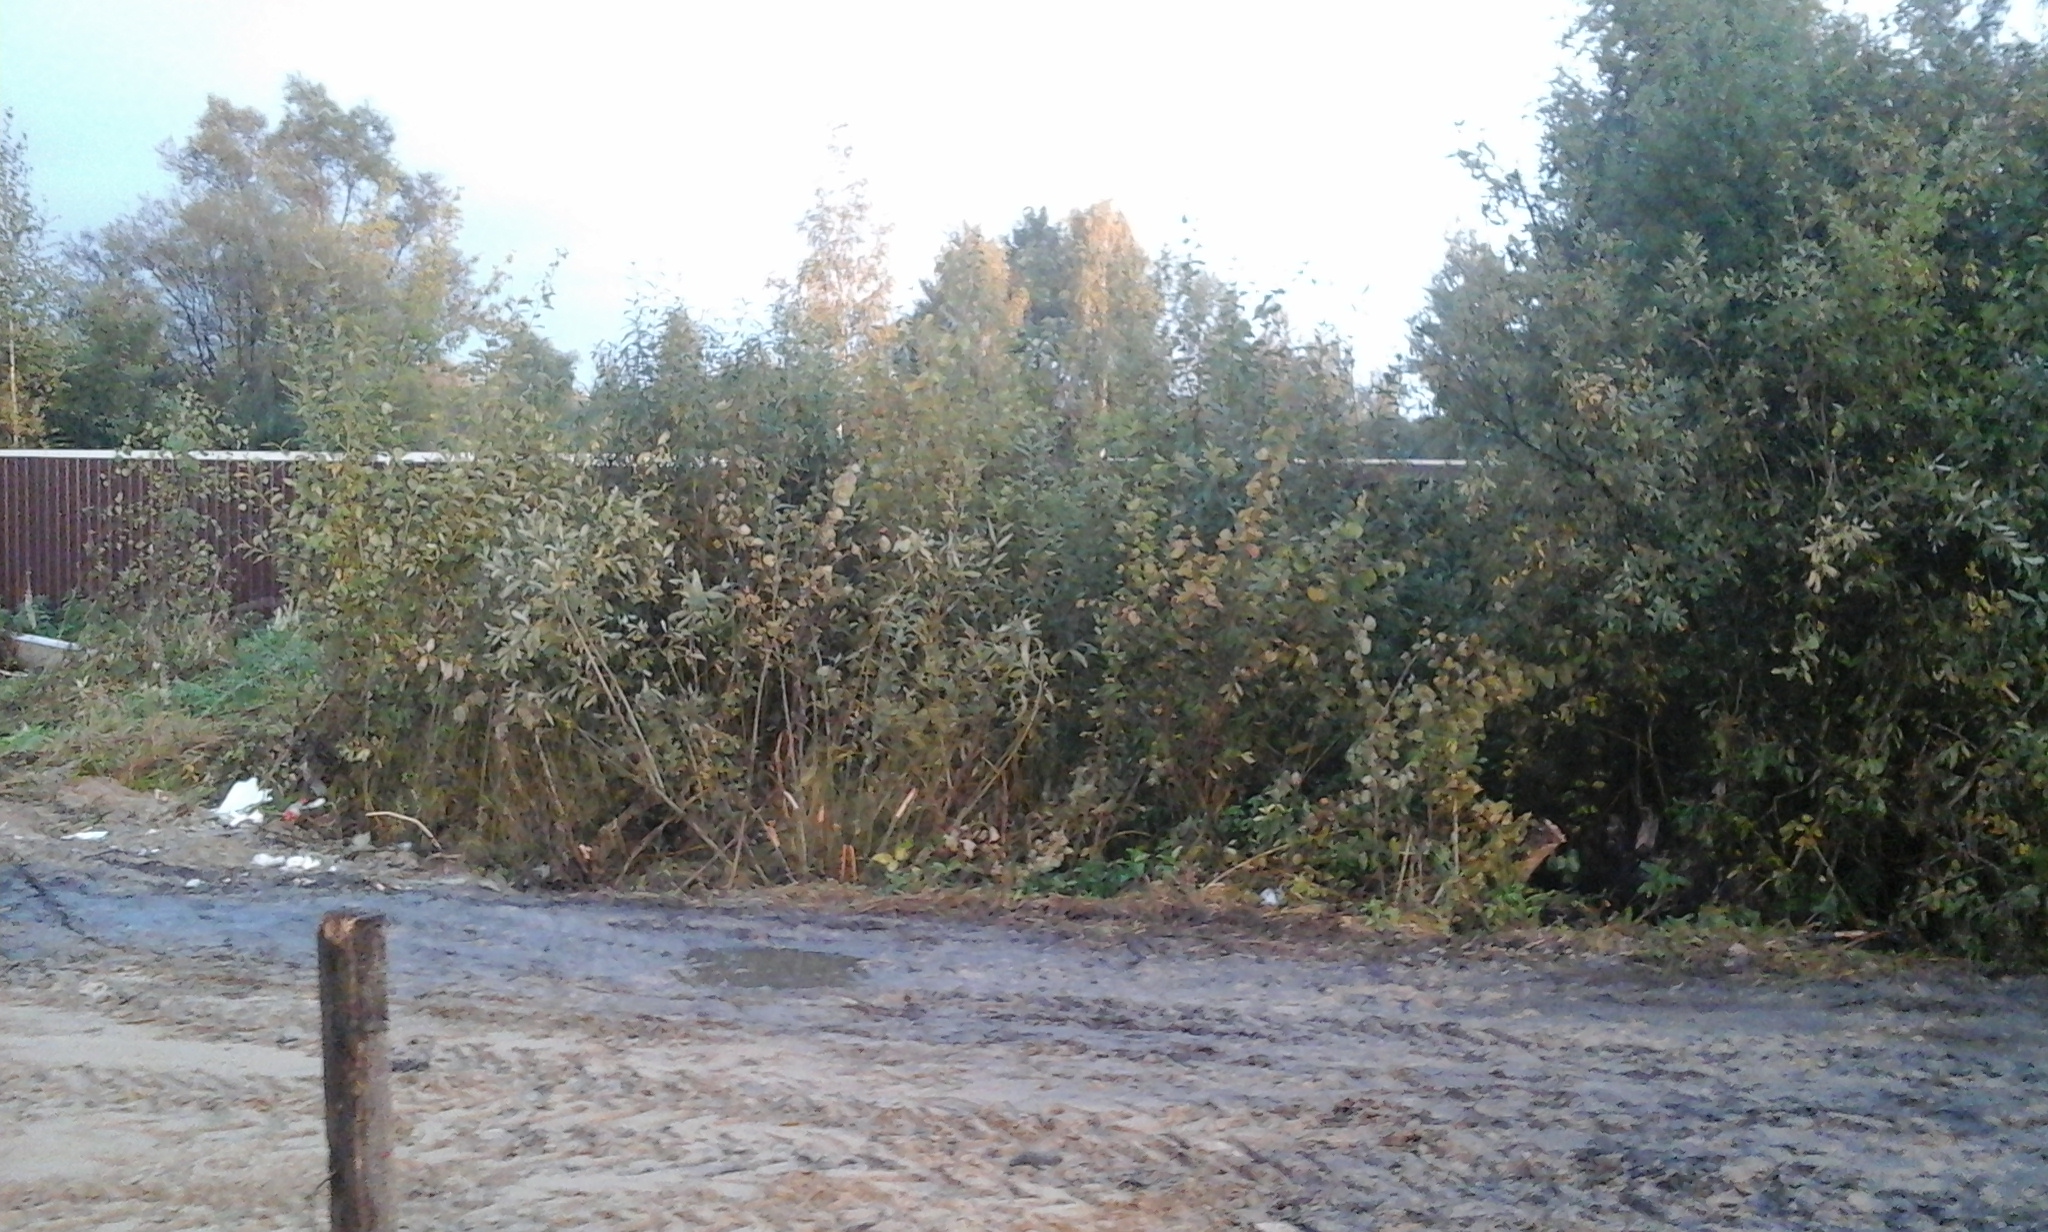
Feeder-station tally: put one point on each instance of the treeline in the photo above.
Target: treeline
(1065, 570)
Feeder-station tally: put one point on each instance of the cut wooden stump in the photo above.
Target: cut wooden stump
(356, 1047)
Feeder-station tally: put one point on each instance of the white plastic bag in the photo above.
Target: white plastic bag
(243, 804)
(290, 864)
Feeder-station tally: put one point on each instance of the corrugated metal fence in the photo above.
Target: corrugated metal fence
(77, 521)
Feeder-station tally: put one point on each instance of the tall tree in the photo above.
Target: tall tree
(282, 235)
(955, 407)
(839, 300)
(1091, 336)
(29, 330)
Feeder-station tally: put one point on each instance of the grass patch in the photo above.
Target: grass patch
(272, 670)
(1102, 877)
(161, 721)
(47, 618)
(26, 739)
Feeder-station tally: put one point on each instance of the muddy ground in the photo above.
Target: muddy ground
(756, 1064)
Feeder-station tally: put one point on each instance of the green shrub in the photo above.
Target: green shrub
(1759, 389)
(1030, 586)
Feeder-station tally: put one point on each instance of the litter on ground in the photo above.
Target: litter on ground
(243, 804)
(290, 864)
(42, 653)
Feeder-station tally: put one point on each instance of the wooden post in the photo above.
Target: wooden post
(356, 1046)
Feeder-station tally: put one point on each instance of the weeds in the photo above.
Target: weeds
(175, 687)
(1102, 877)
(125, 718)
(1052, 604)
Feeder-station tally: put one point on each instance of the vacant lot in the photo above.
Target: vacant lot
(598, 1064)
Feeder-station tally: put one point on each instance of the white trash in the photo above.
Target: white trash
(243, 804)
(42, 654)
(290, 864)
(88, 836)
(1271, 898)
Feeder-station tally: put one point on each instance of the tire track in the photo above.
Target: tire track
(976, 1078)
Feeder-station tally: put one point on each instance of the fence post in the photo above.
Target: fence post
(356, 1049)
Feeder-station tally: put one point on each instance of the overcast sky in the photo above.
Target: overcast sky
(669, 148)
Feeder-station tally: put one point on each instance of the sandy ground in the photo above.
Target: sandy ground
(581, 1063)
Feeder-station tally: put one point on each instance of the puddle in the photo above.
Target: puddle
(771, 966)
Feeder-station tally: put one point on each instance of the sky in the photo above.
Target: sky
(667, 150)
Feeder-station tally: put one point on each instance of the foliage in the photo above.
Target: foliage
(1105, 877)
(1028, 585)
(1067, 578)
(159, 546)
(1759, 387)
(274, 232)
(1226, 654)
(29, 330)
(118, 378)
(189, 723)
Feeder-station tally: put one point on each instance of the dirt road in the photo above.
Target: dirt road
(753, 1065)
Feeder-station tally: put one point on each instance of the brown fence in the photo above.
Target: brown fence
(73, 520)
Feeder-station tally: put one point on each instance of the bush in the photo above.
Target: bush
(1027, 586)
(1759, 390)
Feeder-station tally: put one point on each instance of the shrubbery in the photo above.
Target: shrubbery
(1741, 596)
(1759, 394)
(1035, 578)
(1067, 577)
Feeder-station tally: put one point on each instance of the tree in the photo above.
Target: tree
(280, 236)
(119, 377)
(28, 300)
(1760, 385)
(839, 300)
(956, 407)
(1091, 335)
